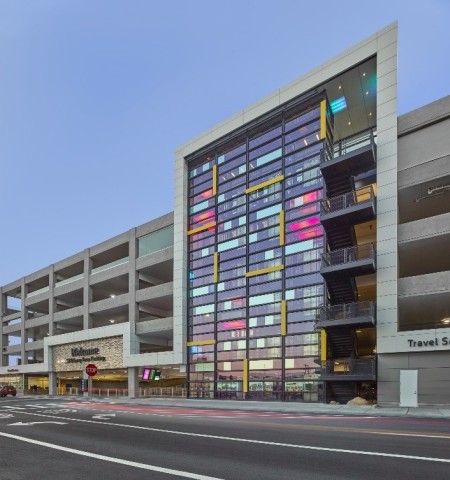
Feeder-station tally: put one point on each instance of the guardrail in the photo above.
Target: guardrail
(347, 200)
(348, 311)
(163, 392)
(349, 366)
(349, 144)
(350, 254)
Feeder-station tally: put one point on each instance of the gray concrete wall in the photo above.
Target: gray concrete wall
(433, 377)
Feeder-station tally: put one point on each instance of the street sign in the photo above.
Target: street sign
(91, 369)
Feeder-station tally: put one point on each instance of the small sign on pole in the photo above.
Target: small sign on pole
(91, 369)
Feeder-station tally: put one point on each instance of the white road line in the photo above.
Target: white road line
(128, 463)
(275, 444)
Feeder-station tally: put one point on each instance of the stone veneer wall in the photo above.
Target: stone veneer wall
(111, 349)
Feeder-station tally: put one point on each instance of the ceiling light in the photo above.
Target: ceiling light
(112, 295)
(306, 143)
(364, 74)
(358, 331)
(112, 320)
(317, 136)
(370, 114)
(367, 92)
(340, 87)
(446, 320)
(349, 123)
(338, 105)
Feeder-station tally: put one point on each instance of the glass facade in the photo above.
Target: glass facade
(255, 242)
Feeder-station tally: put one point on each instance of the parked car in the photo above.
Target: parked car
(7, 390)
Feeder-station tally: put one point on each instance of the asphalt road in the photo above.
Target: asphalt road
(52, 439)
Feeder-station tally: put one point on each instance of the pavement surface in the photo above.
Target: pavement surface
(274, 406)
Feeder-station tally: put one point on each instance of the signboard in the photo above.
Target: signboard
(84, 385)
(91, 369)
(151, 374)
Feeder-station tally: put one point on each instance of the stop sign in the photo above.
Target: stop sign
(91, 369)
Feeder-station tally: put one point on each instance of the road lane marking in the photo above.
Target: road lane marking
(144, 466)
(275, 444)
(33, 423)
(104, 416)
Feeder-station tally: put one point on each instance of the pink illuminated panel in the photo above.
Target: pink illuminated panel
(306, 198)
(307, 222)
(234, 325)
(205, 217)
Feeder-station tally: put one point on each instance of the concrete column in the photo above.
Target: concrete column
(87, 290)
(133, 281)
(24, 291)
(52, 387)
(2, 337)
(51, 300)
(133, 382)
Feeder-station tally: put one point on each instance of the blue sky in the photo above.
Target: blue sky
(95, 96)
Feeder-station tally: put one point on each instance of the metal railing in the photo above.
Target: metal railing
(166, 392)
(348, 311)
(349, 144)
(350, 254)
(163, 392)
(347, 200)
(354, 142)
(349, 366)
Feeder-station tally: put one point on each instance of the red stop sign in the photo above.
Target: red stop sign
(91, 369)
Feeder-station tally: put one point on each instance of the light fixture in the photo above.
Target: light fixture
(364, 74)
(317, 136)
(338, 105)
(367, 92)
(340, 87)
(111, 320)
(306, 143)
(370, 114)
(349, 123)
(446, 320)
(358, 331)
(112, 295)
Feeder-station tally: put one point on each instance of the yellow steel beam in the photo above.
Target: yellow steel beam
(264, 270)
(283, 318)
(323, 345)
(280, 178)
(214, 185)
(282, 234)
(323, 119)
(245, 375)
(200, 342)
(203, 227)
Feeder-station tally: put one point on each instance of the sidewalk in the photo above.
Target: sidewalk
(288, 407)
